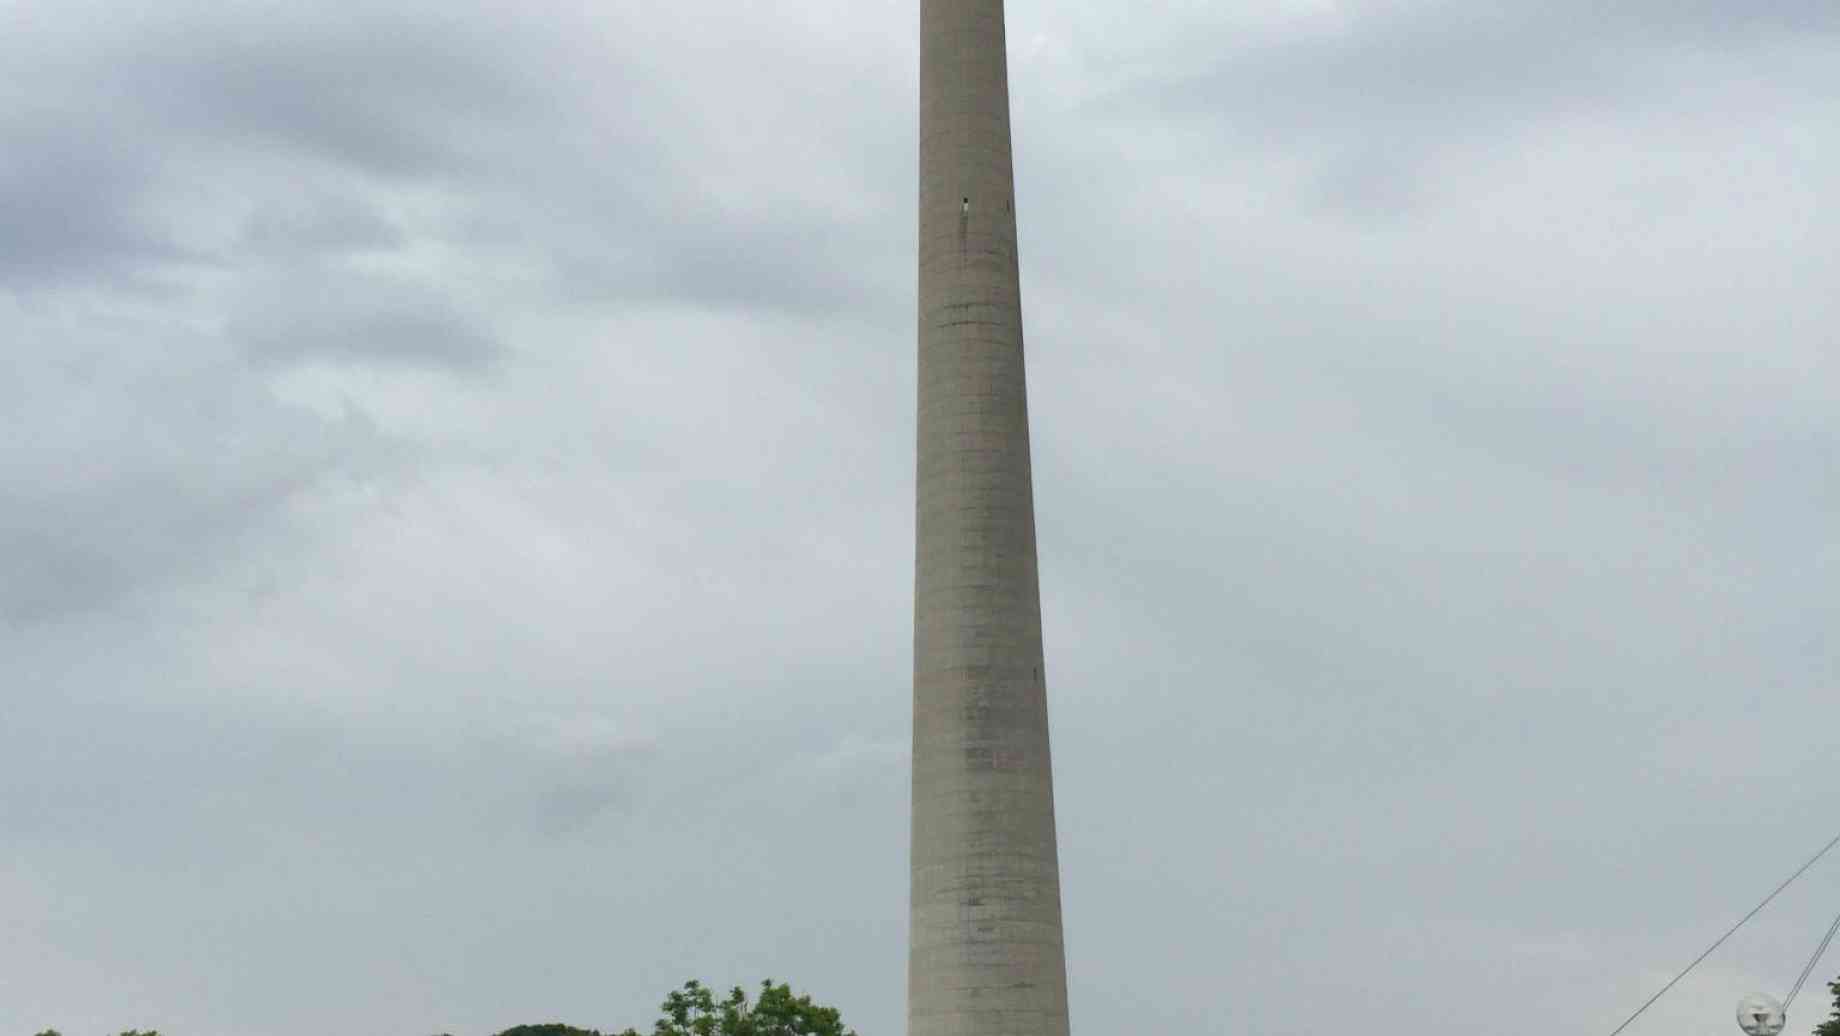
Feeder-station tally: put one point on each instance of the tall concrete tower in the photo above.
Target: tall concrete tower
(985, 956)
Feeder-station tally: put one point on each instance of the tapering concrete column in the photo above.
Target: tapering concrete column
(985, 952)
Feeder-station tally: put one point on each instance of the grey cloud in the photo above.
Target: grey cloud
(72, 203)
(1708, 21)
(1438, 66)
(1437, 540)
(382, 93)
(1373, 100)
(76, 541)
(123, 476)
(183, 117)
(719, 264)
(568, 171)
(219, 783)
(308, 313)
(309, 227)
(157, 113)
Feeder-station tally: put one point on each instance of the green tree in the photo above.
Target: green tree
(1831, 1027)
(694, 1011)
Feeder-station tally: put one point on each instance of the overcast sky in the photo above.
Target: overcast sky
(456, 507)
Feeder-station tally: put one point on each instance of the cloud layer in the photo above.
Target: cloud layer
(455, 507)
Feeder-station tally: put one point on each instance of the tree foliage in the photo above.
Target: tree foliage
(1831, 1027)
(695, 1011)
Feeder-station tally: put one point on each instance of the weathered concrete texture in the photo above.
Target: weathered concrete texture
(986, 956)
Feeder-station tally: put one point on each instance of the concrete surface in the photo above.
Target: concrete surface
(985, 953)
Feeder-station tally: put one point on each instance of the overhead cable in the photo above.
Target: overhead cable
(1733, 930)
(1812, 961)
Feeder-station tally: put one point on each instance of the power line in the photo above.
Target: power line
(1758, 909)
(1812, 961)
